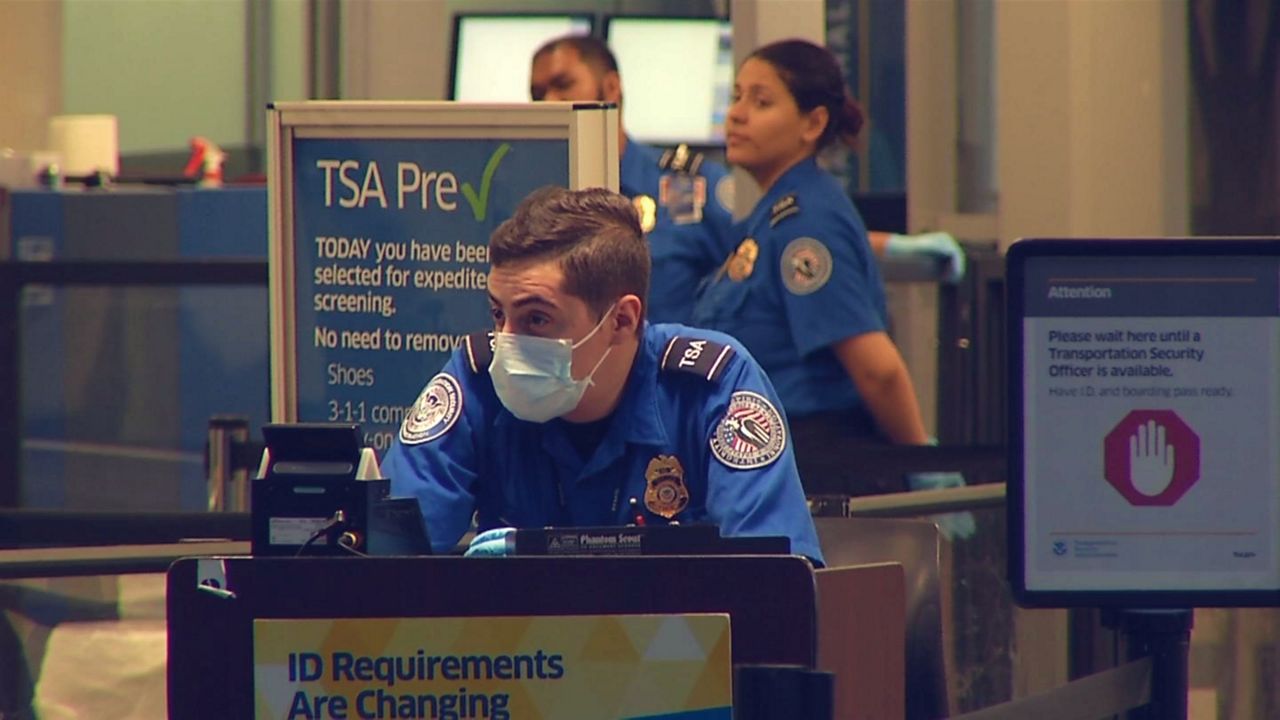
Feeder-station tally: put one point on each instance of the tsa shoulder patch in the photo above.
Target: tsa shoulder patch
(436, 410)
(806, 265)
(479, 350)
(751, 434)
(787, 206)
(699, 356)
(725, 192)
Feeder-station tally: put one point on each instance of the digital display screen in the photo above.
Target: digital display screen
(1145, 409)
(677, 76)
(492, 53)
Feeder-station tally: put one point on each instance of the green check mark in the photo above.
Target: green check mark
(480, 200)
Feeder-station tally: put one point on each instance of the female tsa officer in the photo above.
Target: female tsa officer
(802, 290)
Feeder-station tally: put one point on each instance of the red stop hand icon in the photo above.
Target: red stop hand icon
(1152, 457)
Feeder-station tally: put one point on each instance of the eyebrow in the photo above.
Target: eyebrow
(560, 78)
(526, 301)
(539, 91)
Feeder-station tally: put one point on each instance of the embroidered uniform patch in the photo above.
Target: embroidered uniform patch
(436, 410)
(806, 265)
(725, 192)
(479, 349)
(699, 356)
(751, 433)
(783, 209)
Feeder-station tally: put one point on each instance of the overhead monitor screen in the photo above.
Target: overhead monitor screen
(1144, 422)
(491, 53)
(677, 75)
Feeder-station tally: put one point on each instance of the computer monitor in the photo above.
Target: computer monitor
(1144, 415)
(491, 52)
(677, 75)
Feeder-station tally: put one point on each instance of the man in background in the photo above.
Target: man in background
(685, 200)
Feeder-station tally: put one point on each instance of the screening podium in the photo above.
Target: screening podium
(848, 620)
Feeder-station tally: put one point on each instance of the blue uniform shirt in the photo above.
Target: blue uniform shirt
(696, 435)
(684, 251)
(802, 278)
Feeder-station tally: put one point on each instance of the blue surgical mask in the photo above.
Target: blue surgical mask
(533, 375)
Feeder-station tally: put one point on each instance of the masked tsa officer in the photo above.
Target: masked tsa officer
(575, 406)
(683, 199)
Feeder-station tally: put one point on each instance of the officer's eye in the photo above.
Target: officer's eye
(538, 321)
(497, 315)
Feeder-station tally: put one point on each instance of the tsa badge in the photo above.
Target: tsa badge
(683, 196)
(665, 493)
(743, 261)
(647, 209)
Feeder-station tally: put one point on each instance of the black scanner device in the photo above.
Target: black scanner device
(319, 492)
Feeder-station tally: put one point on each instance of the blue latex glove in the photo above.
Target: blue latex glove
(493, 543)
(930, 244)
(953, 526)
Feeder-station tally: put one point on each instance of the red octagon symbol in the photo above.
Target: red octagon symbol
(1186, 456)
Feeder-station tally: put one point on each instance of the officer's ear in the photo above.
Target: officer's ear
(626, 321)
(611, 87)
(815, 123)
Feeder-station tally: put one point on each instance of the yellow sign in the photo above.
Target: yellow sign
(494, 668)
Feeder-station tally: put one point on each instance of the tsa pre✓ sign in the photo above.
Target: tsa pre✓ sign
(391, 250)
(494, 668)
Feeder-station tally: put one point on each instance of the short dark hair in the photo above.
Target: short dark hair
(812, 75)
(593, 234)
(593, 51)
